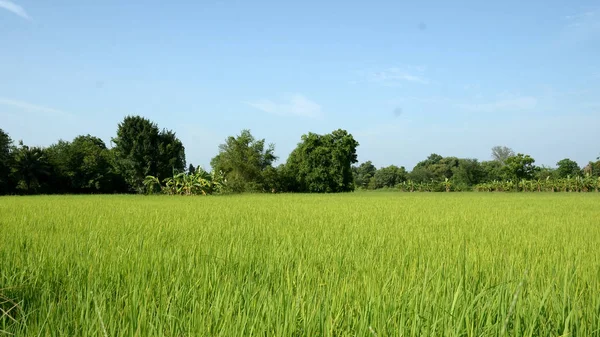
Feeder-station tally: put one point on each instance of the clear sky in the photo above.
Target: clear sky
(406, 78)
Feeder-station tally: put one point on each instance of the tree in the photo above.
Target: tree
(31, 169)
(433, 159)
(469, 172)
(592, 169)
(6, 156)
(389, 176)
(567, 167)
(141, 150)
(492, 171)
(421, 174)
(322, 163)
(243, 160)
(171, 154)
(502, 153)
(363, 174)
(519, 167)
(434, 168)
(191, 169)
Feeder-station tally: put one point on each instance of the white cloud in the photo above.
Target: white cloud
(295, 105)
(32, 107)
(14, 8)
(512, 104)
(391, 75)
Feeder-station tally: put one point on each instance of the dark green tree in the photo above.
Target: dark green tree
(171, 154)
(59, 157)
(191, 169)
(363, 174)
(142, 150)
(389, 176)
(243, 160)
(519, 167)
(322, 163)
(492, 171)
(6, 159)
(567, 167)
(421, 174)
(31, 169)
(469, 172)
(434, 168)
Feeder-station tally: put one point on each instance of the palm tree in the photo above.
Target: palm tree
(31, 168)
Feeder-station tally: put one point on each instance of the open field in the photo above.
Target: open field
(359, 264)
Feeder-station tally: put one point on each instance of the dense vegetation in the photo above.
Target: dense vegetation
(360, 264)
(145, 159)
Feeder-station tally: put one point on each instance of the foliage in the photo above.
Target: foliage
(81, 166)
(585, 183)
(142, 150)
(502, 153)
(322, 163)
(519, 167)
(469, 172)
(244, 160)
(363, 174)
(389, 176)
(435, 167)
(567, 167)
(199, 182)
(6, 158)
(31, 169)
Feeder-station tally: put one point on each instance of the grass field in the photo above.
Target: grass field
(360, 264)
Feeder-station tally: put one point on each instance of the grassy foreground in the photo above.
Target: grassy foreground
(361, 264)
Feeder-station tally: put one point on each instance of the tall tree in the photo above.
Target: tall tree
(6, 149)
(141, 150)
(389, 176)
(519, 167)
(363, 174)
(171, 154)
(322, 163)
(567, 167)
(31, 169)
(434, 168)
(502, 153)
(243, 160)
(492, 170)
(468, 173)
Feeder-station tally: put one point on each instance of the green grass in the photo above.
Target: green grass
(361, 264)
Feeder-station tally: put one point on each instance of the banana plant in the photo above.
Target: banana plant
(151, 184)
(447, 184)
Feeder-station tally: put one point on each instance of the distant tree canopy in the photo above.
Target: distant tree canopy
(519, 167)
(245, 162)
(322, 163)
(142, 150)
(363, 174)
(566, 168)
(502, 153)
(82, 166)
(6, 148)
(31, 170)
(145, 159)
(388, 176)
(468, 172)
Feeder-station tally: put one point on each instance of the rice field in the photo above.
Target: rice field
(357, 264)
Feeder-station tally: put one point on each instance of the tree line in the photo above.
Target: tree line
(146, 159)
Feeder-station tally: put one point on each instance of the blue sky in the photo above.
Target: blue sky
(405, 78)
